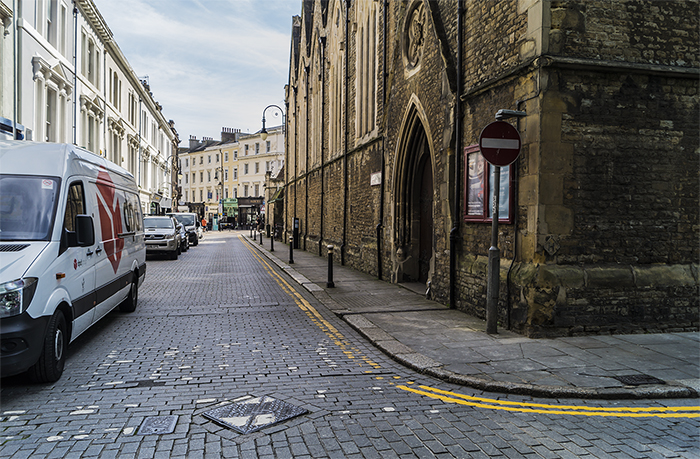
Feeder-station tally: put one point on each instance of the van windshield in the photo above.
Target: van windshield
(27, 207)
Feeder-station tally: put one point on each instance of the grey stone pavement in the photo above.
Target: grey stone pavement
(451, 345)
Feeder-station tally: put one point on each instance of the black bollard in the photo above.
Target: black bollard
(272, 243)
(261, 237)
(251, 231)
(291, 250)
(330, 283)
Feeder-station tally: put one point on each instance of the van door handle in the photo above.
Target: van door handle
(98, 250)
(89, 252)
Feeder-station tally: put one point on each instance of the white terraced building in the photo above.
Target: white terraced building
(64, 79)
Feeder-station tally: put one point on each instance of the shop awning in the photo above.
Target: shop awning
(278, 196)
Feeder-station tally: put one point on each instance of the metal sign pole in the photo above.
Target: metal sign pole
(493, 285)
(499, 143)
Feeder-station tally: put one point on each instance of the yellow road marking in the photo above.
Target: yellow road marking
(522, 407)
(566, 407)
(468, 400)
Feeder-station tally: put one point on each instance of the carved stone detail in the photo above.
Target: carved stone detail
(415, 35)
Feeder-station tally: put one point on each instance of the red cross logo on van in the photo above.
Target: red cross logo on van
(110, 218)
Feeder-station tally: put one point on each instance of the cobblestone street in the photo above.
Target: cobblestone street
(221, 325)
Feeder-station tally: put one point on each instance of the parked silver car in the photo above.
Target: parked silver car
(162, 235)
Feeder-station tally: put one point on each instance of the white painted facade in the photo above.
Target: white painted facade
(255, 158)
(74, 85)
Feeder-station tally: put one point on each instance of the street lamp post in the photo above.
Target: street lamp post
(263, 136)
(263, 131)
(221, 183)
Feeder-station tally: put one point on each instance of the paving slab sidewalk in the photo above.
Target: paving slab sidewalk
(451, 345)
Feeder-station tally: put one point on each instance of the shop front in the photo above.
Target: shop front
(248, 211)
(230, 217)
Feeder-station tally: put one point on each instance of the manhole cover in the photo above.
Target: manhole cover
(254, 414)
(638, 380)
(158, 425)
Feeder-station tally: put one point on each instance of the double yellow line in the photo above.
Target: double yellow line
(353, 353)
(539, 408)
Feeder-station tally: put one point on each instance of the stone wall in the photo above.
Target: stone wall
(633, 31)
(555, 300)
(633, 188)
(605, 228)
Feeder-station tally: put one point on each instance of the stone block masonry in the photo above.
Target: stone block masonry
(603, 235)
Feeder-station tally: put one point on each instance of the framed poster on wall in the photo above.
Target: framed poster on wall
(478, 190)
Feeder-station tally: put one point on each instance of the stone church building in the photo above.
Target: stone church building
(598, 217)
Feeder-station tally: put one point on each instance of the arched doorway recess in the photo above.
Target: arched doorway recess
(414, 235)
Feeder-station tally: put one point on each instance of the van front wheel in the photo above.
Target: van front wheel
(49, 368)
(129, 304)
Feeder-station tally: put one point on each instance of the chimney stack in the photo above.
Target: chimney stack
(194, 143)
(230, 134)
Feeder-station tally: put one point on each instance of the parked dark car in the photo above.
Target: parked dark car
(184, 236)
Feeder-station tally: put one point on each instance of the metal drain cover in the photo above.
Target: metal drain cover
(254, 414)
(639, 380)
(158, 425)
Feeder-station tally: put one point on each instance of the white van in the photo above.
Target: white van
(71, 250)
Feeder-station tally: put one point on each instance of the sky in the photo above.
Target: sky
(210, 63)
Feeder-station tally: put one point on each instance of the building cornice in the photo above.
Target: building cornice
(5, 11)
(90, 12)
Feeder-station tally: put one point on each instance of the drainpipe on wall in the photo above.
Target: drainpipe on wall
(15, 76)
(139, 169)
(75, 74)
(380, 226)
(454, 233)
(306, 172)
(345, 146)
(296, 158)
(105, 139)
(287, 157)
(322, 41)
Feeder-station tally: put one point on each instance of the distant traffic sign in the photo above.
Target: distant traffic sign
(499, 143)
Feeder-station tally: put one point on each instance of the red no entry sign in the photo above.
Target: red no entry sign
(500, 143)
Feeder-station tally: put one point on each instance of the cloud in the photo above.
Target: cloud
(211, 63)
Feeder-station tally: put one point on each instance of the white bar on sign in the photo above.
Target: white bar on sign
(510, 144)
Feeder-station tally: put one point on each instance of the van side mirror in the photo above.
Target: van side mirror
(84, 230)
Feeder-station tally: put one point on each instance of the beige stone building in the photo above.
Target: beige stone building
(227, 176)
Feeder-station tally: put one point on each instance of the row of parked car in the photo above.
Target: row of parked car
(172, 233)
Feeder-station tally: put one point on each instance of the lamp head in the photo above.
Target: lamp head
(263, 134)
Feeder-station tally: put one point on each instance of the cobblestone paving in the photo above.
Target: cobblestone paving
(218, 325)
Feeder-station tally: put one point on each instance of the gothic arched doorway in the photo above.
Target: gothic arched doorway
(414, 211)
